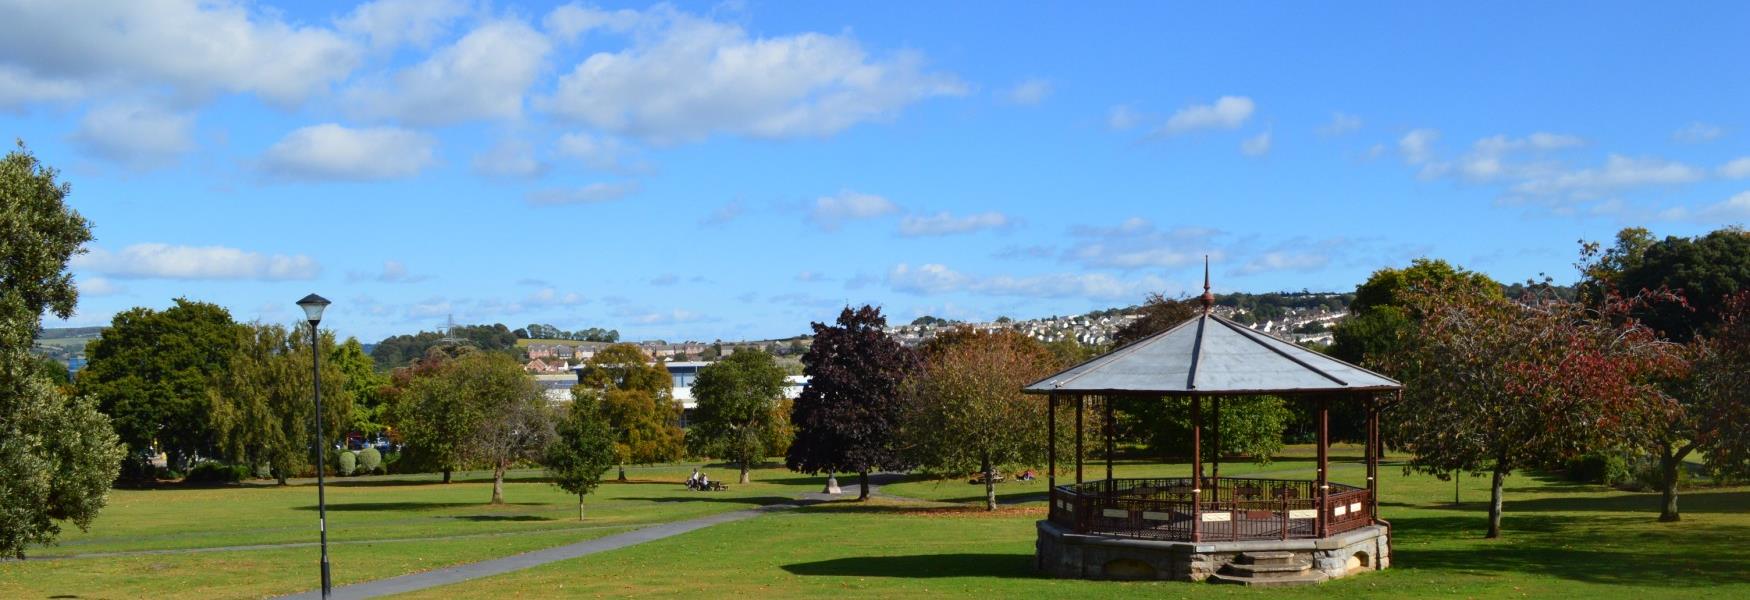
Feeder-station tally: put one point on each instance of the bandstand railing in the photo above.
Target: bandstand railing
(1231, 508)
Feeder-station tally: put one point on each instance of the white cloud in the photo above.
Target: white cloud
(658, 317)
(569, 21)
(1698, 132)
(1257, 145)
(136, 135)
(590, 194)
(1618, 172)
(391, 23)
(829, 212)
(329, 151)
(1228, 112)
(196, 48)
(1733, 210)
(602, 153)
(19, 87)
(1341, 123)
(509, 157)
(431, 307)
(1284, 261)
(809, 277)
(482, 76)
(1417, 146)
(724, 214)
(165, 261)
(686, 78)
(944, 223)
(99, 286)
(394, 271)
(931, 279)
(1137, 243)
(1122, 117)
(553, 297)
(665, 279)
(1028, 93)
(1737, 168)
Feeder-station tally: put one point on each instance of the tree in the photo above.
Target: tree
(58, 454)
(1378, 323)
(1493, 385)
(1722, 395)
(261, 406)
(363, 383)
(848, 415)
(582, 449)
(964, 410)
(478, 408)
(150, 371)
(1159, 313)
(635, 396)
(734, 417)
(1701, 277)
(437, 416)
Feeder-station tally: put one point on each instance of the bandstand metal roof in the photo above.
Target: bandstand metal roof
(1210, 355)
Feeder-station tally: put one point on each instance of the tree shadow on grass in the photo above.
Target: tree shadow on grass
(1673, 562)
(713, 497)
(1008, 566)
(1697, 501)
(497, 518)
(406, 506)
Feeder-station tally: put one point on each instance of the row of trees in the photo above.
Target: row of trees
(1645, 359)
(540, 331)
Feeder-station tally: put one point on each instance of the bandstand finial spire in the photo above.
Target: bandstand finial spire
(1208, 298)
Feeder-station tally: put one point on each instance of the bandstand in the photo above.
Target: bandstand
(1259, 531)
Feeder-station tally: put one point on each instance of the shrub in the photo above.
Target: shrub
(348, 464)
(215, 472)
(370, 460)
(1603, 467)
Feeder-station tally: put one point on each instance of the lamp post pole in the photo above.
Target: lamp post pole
(313, 305)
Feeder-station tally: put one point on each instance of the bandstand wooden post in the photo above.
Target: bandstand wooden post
(1080, 400)
(1111, 432)
(1051, 452)
(1196, 469)
(1324, 478)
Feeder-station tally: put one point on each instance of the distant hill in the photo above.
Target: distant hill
(62, 343)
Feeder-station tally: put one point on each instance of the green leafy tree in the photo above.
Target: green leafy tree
(436, 416)
(1377, 325)
(636, 398)
(150, 371)
(262, 406)
(515, 424)
(582, 449)
(58, 454)
(734, 417)
(964, 409)
(848, 417)
(363, 383)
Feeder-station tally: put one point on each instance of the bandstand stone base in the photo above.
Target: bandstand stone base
(1064, 554)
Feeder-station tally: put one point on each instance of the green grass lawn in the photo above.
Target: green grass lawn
(378, 527)
(1562, 541)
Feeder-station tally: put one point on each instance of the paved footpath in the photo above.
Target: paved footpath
(439, 577)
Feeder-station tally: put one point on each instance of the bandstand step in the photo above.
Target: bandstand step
(1307, 578)
(1266, 558)
(1269, 570)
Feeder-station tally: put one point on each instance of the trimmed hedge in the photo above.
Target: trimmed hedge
(348, 464)
(370, 461)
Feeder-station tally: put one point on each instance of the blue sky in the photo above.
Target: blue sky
(736, 170)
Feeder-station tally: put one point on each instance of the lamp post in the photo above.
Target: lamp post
(313, 305)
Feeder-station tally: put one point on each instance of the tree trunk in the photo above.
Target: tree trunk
(990, 485)
(1669, 464)
(498, 482)
(622, 472)
(1495, 501)
(580, 507)
(744, 471)
(446, 475)
(863, 480)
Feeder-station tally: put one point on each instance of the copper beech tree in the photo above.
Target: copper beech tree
(848, 416)
(1494, 385)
